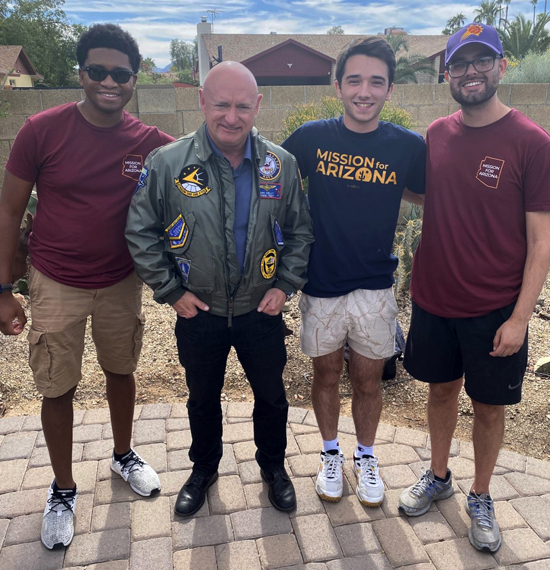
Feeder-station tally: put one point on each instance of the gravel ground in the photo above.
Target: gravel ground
(160, 378)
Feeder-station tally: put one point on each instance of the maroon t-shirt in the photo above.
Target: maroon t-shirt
(479, 184)
(85, 177)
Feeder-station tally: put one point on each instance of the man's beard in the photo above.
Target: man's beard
(473, 99)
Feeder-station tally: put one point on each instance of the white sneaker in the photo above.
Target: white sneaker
(484, 533)
(141, 476)
(57, 522)
(370, 488)
(418, 498)
(330, 481)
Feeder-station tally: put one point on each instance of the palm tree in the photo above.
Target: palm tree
(487, 13)
(520, 36)
(534, 2)
(398, 41)
(454, 24)
(507, 3)
(408, 66)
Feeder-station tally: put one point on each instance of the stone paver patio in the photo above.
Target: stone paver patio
(237, 529)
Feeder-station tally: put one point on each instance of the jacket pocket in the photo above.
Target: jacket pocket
(191, 252)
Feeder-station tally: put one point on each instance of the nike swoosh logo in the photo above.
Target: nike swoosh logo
(510, 387)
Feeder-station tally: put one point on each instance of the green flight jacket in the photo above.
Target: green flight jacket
(180, 225)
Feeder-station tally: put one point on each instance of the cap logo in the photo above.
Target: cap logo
(473, 30)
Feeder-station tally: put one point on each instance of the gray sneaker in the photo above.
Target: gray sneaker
(141, 476)
(484, 534)
(57, 522)
(417, 499)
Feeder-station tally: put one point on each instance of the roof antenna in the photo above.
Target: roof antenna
(213, 13)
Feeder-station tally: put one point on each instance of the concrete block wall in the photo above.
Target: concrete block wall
(177, 111)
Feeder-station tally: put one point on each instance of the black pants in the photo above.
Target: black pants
(204, 343)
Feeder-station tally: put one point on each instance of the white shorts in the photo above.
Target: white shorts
(364, 318)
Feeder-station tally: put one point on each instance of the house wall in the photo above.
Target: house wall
(21, 81)
(177, 111)
(304, 63)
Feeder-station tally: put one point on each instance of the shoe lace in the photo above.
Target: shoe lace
(426, 485)
(132, 462)
(59, 503)
(481, 507)
(332, 465)
(369, 469)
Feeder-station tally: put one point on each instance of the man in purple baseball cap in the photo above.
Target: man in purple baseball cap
(474, 33)
(480, 266)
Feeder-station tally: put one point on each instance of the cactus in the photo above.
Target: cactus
(406, 243)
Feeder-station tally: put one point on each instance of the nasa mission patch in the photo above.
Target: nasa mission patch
(193, 181)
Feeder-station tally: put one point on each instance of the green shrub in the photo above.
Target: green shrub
(533, 68)
(329, 107)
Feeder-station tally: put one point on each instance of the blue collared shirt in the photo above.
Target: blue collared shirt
(242, 178)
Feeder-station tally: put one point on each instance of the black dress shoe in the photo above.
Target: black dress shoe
(281, 490)
(192, 494)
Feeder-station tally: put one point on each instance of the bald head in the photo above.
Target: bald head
(229, 72)
(230, 103)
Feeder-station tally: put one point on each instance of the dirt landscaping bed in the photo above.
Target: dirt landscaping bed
(160, 378)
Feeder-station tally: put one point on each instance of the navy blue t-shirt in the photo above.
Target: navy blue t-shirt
(356, 181)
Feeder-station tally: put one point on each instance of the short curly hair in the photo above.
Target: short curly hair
(108, 36)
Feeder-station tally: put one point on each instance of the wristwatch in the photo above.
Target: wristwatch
(6, 287)
(290, 296)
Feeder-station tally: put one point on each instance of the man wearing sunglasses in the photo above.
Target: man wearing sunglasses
(480, 266)
(86, 160)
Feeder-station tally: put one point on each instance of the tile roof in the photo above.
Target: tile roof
(238, 47)
(8, 59)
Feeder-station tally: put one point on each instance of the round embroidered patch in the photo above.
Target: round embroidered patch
(193, 181)
(268, 264)
(272, 167)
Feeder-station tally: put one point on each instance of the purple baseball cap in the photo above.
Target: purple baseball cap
(474, 33)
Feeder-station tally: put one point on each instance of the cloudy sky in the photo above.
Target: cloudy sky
(155, 23)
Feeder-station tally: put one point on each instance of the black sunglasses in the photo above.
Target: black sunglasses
(100, 74)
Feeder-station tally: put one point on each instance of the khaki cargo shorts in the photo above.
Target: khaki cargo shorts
(56, 337)
(365, 319)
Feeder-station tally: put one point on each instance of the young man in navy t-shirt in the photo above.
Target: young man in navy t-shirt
(358, 169)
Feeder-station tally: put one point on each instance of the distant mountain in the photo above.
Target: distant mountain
(164, 69)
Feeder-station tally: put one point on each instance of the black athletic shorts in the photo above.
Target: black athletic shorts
(441, 350)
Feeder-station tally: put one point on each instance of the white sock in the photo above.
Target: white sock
(332, 444)
(364, 450)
